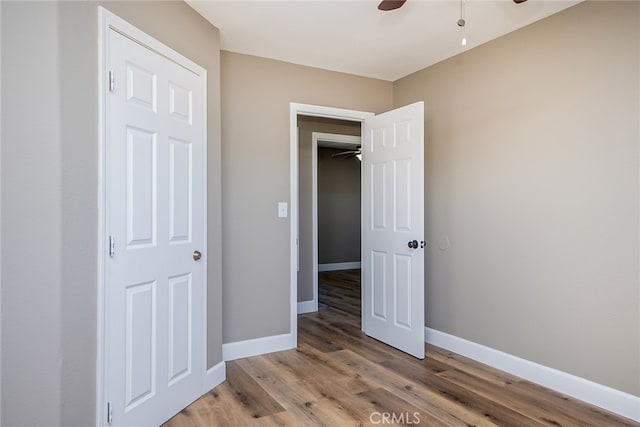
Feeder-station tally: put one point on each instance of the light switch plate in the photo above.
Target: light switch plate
(282, 210)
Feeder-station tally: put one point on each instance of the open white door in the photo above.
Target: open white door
(155, 120)
(393, 228)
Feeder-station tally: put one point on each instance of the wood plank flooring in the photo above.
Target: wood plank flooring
(339, 377)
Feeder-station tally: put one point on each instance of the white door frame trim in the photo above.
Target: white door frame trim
(0, 224)
(296, 109)
(108, 21)
(310, 306)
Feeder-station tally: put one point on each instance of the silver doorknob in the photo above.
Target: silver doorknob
(197, 255)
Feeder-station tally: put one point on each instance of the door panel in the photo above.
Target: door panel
(180, 103)
(180, 330)
(141, 347)
(180, 190)
(379, 195)
(141, 86)
(402, 290)
(379, 285)
(393, 194)
(402, 217)
(155, 200)
(141, 187)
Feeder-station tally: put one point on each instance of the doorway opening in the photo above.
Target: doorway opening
(351, 126)
(329, 203)
(392, 282)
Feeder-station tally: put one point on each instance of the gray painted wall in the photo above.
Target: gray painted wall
(306, 126)
(49, 198)
(31, 230)
(532, 151)
(338, 208)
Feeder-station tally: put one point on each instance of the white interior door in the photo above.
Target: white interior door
(393, 228)
(155, 216)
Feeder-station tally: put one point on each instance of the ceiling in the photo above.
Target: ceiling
(355, 37)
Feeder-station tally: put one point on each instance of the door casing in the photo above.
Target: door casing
(296, 109)
(108, 21)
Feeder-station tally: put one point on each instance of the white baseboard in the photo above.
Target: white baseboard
(257, 346)
(613, 400)
(215, 376)
(339, 266)
(307, 306)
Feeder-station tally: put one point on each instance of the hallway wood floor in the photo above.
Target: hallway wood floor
(339, 377)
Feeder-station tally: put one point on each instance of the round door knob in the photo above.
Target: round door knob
(197, 255)
(413, 244)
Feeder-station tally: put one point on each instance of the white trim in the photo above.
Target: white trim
(205, 226)
(298, 222)
(102, 191)
(0, 216)
(293, 223)
(257, 346)
(317, 137)
(600, 395)
(128, 30)
(296, 109)
(339, 266)
(108, 21)
(215, 376)
(308, 306)
(314, 219)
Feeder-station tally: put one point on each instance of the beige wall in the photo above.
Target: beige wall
(532, 172)
(338, 208)
(49, 198)
(532, 149)
(307, 125)
(256, 93)
(32, 268)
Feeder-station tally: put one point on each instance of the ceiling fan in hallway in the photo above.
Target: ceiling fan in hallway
(386, 5)
(349, 153)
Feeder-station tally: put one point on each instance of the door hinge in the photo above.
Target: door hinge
(109, 412)
(112, 81)
(112, 246)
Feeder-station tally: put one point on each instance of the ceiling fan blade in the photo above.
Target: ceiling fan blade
(348, 153)
(344, 153)
(519, 1)
(391, 4)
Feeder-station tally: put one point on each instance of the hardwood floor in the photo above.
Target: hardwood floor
(339, 377)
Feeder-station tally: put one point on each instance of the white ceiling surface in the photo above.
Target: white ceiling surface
(355, 37)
